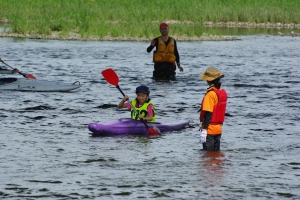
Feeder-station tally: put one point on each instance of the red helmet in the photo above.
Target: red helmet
(163, 24)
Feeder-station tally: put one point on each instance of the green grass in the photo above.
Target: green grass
(139, 18)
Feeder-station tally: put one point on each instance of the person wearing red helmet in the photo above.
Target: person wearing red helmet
(165, 55)
(142, 103)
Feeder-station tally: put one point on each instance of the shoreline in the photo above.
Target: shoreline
(77, 37)
(251, 25)
(55, 35)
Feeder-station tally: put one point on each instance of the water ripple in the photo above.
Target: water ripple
(47, 151)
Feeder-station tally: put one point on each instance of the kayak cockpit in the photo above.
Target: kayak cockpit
(4, 81)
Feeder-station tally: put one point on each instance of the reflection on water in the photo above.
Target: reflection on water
(213, 161)
(239, 31)
(212, 172)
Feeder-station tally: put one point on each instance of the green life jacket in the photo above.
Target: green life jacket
(143, 110)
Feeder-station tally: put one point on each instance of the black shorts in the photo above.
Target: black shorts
(164, 70)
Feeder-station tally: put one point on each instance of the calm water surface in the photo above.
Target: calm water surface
(47, 152)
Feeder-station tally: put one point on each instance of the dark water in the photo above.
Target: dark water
(47, 153)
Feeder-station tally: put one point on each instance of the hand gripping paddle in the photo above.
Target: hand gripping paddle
(112, 78)
(29, 76)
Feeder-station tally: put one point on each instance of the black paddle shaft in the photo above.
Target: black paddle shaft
(120, 90)
(12, 67)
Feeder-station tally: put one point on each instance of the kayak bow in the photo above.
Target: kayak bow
(23, 84)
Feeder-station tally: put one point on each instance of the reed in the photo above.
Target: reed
(138, 18)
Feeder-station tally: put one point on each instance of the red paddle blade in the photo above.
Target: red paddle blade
(110, 76)
(30, 76)
(153, 133)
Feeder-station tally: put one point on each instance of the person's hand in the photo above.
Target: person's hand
(141, 116)
(153, 43)
(180, 68)
(126, 98)
(15, 70)
(203, 135)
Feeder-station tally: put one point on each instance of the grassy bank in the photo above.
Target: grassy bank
(138, 18)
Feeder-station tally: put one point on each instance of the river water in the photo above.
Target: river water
(48, 153)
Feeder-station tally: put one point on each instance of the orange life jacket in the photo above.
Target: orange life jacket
(165, 53)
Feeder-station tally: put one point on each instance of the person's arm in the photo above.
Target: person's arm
(206, 119)
(152, 45)
(5, 71)
(204, 126)
(122, 103)
(176, 53)
(208, 104)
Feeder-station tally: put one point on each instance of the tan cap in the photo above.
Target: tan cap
(211, 74)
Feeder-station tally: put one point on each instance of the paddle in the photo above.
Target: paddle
(29, 76)
(112, 78)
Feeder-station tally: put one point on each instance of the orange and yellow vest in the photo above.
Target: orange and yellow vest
(164, 53)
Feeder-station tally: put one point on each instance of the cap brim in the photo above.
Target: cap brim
(207, 78)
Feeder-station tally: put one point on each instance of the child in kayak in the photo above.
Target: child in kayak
(142, 104)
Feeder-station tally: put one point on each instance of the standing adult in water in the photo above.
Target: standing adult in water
(165, 55)
(212, 111)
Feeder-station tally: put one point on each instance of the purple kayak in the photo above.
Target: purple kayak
(127, 125)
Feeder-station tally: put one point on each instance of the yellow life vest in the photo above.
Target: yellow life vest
(143, 110)
(164, 53)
